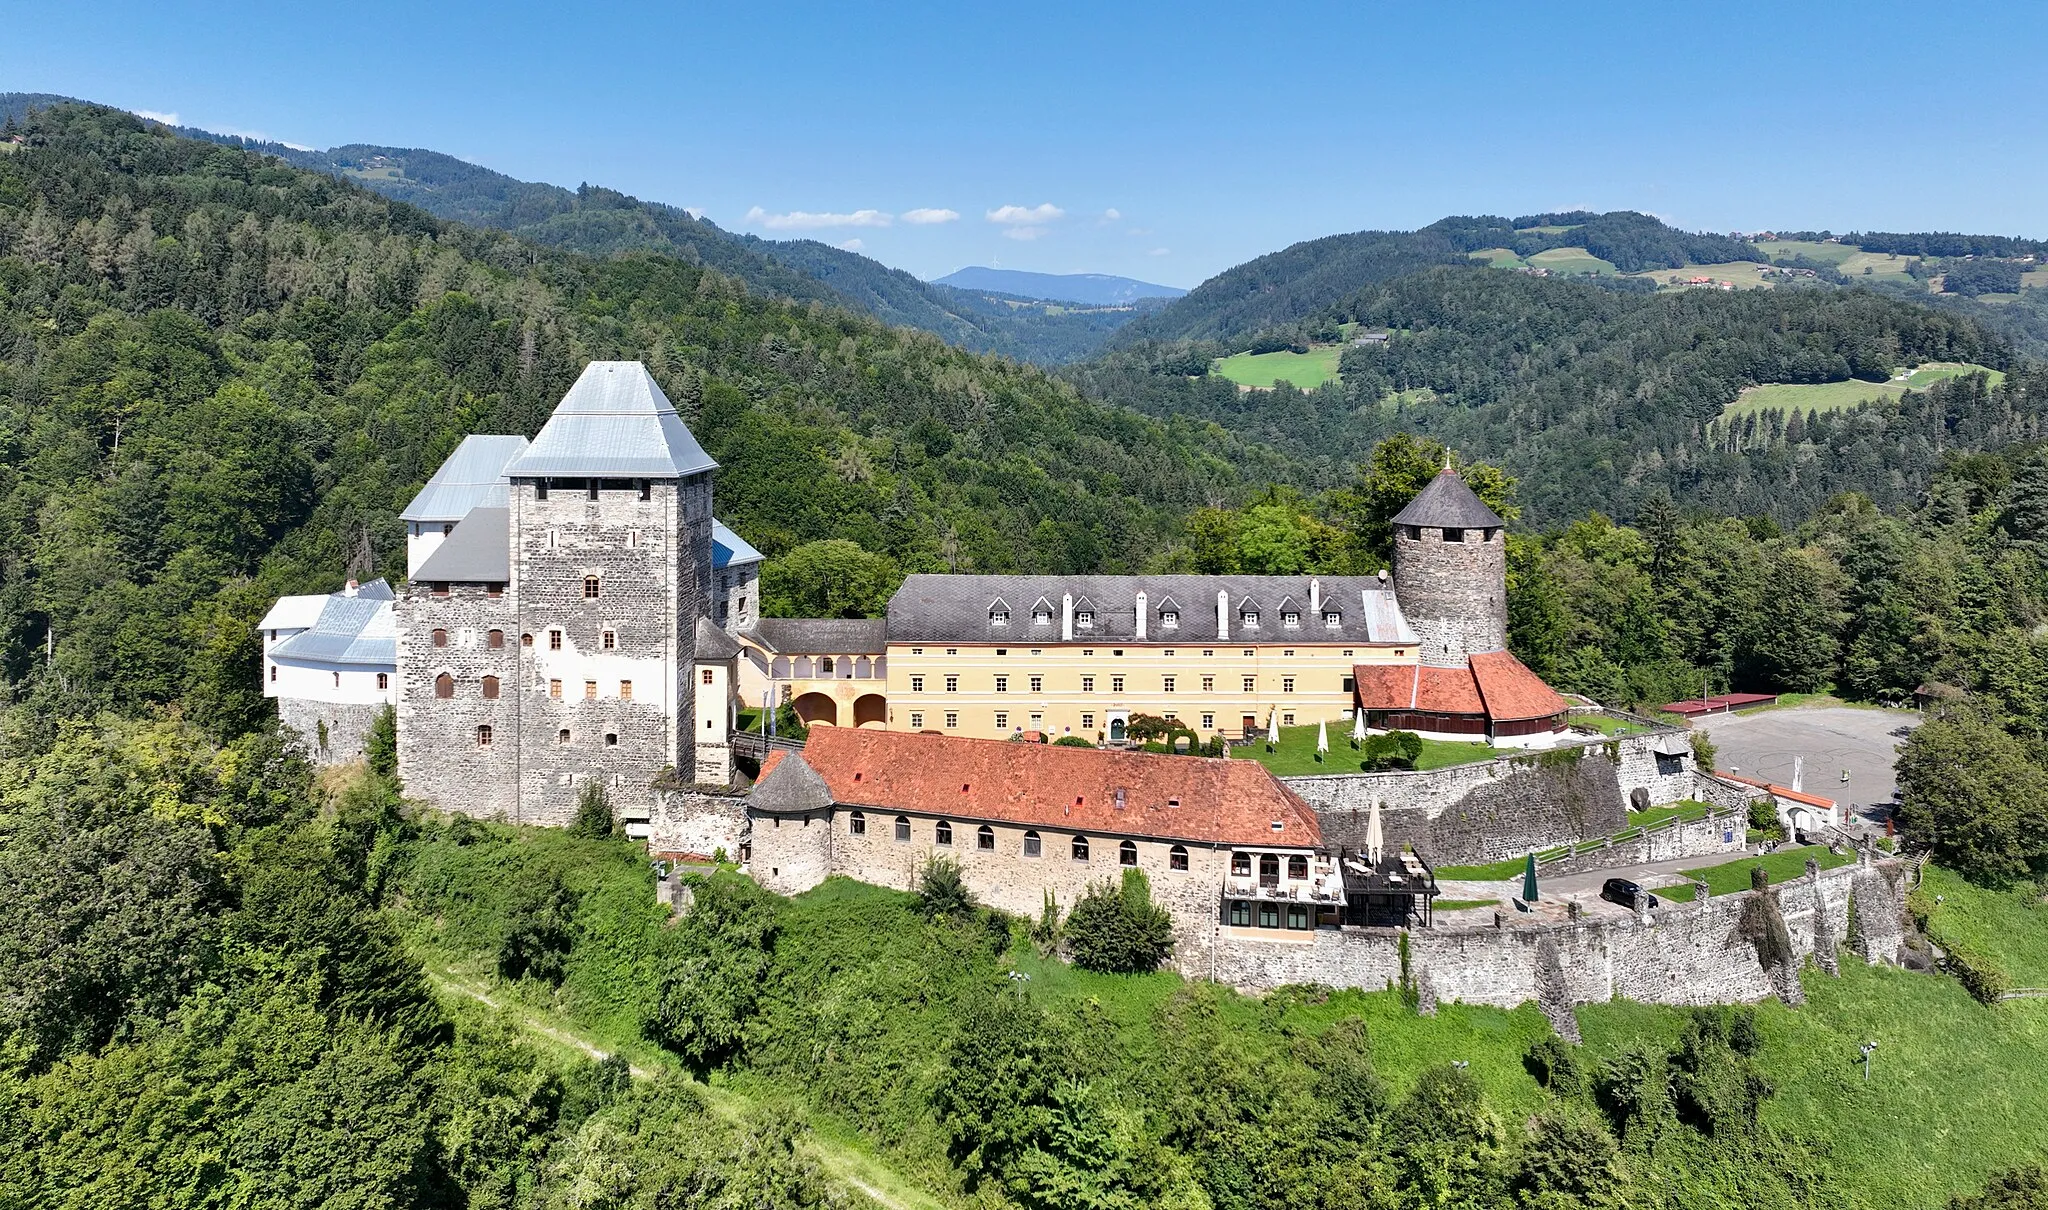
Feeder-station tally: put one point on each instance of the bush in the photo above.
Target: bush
(1119, 930)
(942, 892)
(1071, 741)
(711, 969)
(537, 931)
(593, 812)
(1978, 972)
(1392, 750)
(1763, 819)
(380, 747)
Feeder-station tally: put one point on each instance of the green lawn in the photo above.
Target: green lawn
(1677, 810)
(1296, 753)
(1305, 370)
(1571, 260)
(1732, 877)
(2008, 926)
(1499, 258)
(1607, 724)
(1839, 396)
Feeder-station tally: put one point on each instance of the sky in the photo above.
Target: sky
(1159, 141)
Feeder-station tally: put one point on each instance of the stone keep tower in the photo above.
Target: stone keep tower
(1451, 573)
(610, 544)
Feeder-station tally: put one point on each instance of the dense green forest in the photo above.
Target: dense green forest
(221, 377)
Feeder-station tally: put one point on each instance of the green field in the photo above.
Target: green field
(1551, 230)
(2009, 926)
(1839, 396)
(1571, 260)
(1499, 258)
(1732, 877)
(1741, 272)
(1296, 752)
(1261, 370)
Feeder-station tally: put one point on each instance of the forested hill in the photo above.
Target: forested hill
(221, 377)
(1283, 288)
(1598, 399)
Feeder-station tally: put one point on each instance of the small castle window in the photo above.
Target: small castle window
(1080, 848)
(952, 719)
(495, 640)
(1002, 720)
(590, 582)
(1287, 719)
(1127, 853)
(337, 680)
(1249, 618)
(483, 736)
(1087, 684)
(1286, 684)
(273, 672)
(1177, 857)
(444, 686)
(494, 590)
(1032, 846)
(1085, 619)
(1241, 865)
(646, 490)
(554, 640)
(916, 720)
(1002, 684)
(555, 689)
(562, 736)
(609, 640)
(1116, 684)
(706, 674)
(590, 488)
(943, 834)
(857, 824)
(540, 489)
(953, 684)
(1038, 684)
(611, 739)
(590, 690)
(491, 688)
(1332, 619)
(440, 637)
(1251, 684)
(1269, 869)
(1297, 867)
(1087, 722)
(1240, 913)
(1041, 617)
(438, 589)
(526, 640)
(917, 684)
(383, 680)
(1297, 915)
(447, 528)
(985, 839)
(903, 828)
(1454, 535)
(1166, 684)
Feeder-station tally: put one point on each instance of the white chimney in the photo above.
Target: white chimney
(1067, 617)
(1141, 617)
(351, 589)
(1223, 615)
(1315, 596)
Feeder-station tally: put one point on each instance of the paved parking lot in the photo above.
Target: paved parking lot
(1833, 739)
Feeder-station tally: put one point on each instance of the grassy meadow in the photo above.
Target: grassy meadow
(1571, 260)
(1261, 370)
(1741, 272)
(1499, 258)
(1841, 396)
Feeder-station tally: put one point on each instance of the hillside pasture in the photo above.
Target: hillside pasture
(1811, 249)
(1571, 260)
(1258, 371)
(1499, 258)
(1746, 274)
(1841, 396)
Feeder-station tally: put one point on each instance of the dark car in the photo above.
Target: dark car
(1626, 893)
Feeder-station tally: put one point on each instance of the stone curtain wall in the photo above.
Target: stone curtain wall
(697, 824)
(439, 758)
(1454, 594)
(1698, 953)
(1722, 833)
(348, 727)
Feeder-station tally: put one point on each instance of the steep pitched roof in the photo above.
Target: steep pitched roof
(713, 643)
(614, 422)
(1416, 687)
(1070, 789)
(728, 547)
(1511, 690)
(938, 608)
(788, 785)
(472, 477)
(479, 551)
(1448, 500)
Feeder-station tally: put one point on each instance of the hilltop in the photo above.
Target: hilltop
(1092, 289)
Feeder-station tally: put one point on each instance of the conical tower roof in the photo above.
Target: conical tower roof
(614, 423)
(1448, 501)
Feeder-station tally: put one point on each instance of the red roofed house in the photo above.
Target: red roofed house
(1450, 575)
(1797, 810)
(1224, 843)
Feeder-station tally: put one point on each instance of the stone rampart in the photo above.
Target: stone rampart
(697, 824)
(331, 733)
(1723, 832)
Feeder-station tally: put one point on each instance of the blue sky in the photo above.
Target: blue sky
(1162, 141)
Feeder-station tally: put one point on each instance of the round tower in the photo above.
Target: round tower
(1451, 572)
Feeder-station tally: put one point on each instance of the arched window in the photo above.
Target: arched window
(943, 834)
(495, 639)
(985, 839)
(779, 669)
(1241, 865)
(491, 688)
(444, 686)
(903, 828)
(526, 640)
(1177, 857)
(1297, 867)
(562, 736)
(1269, 869)
(337, 680)
(1032, 846)
(590, 588)
(440, 637)
(863, 669)
(825, 666)
(483, 736)
(1127, 853)
(1080, 848)
(857, 824)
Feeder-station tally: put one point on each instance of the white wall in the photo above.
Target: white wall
(317, 682)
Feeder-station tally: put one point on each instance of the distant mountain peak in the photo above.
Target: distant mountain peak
(1095, 289)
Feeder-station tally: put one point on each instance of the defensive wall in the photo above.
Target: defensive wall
(1727, 948)
(331, 733)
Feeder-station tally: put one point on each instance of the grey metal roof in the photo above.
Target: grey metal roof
(823, 636)
(478, 552)
(1446, 500)
(472, 477)
(938, 608)
(294, 613)
(714, 643)
(350, 630)
(790, 787)
(728, 547)
(614, 422)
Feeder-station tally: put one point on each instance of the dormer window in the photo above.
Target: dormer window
(1332, 619)
(998, 616)
(1169, 619)
(1041, 617)
(1291, 620)
(1249, 619)
(1085, 619)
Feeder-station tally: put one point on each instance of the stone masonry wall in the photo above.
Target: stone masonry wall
(697, 824)
(1723, 832)
(1454, 594)
(348, 727)
(440, 756)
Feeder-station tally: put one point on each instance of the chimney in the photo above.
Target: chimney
(1223, 615)
(1315, 596)
(1383, 577)
(1141, 617)
(351, 589)
(1067, 617)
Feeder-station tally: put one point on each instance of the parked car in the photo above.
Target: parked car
(1626, 893)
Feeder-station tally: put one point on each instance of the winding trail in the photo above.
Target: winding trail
(844, 1163)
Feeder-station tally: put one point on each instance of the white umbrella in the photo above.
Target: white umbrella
(1358, 725)
(1322, 736)
(1273, 726)
(1375, 837)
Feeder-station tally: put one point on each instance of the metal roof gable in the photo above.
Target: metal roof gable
(614, 422)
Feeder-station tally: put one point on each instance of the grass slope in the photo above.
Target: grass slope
(1571, 260)
(1261, 370)
(1841, 396)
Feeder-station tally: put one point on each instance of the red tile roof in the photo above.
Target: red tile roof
(1072, 789)
(1511, 690)
(1777, 791)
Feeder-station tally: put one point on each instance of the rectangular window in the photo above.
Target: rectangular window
(1332, 619)
(1037, 721)
(1208, 684)
(1116, 684)
(589, 691)
(1087, 684)
(1002, 719)
(1350, 684)
(1250, 619)
(626, 692)
(1269, 915)
(707, 676)
(952, 684)
(1208, 722)
(917, 684)
(1287, 719)
(1454, 535)
(1290, 619)
(554, 640)
(555, 690)
(1297, 915)
(1087, 722)
(902, 829)
(1032, 846)
(1166, 684)
(1002, 684)
(1286, 684)
(1038, 684)
(999, 617)
(952, 719)
(483, 736)
(1288, 652)
(1251, 684)
(1249, 653)
(916, 721)
(1170, 716)
(1084, 620)
(1169, 620)
(610, 641)
(1240, 913)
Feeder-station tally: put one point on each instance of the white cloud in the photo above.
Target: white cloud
(1137, 231)
(925, 215)
(1025, 233)
(168, 119)
(1111, 215)
(1160, 252)
(852, 245)
(1021, 216)
(805, 220)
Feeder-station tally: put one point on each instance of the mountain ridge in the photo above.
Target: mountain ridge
(1095, 289)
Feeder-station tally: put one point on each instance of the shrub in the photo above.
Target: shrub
(538, 931)
(1071, 741)
(711, 969)
(942, 892)
(1763, 819)
(1978, 972)
(593, 812)
(1119, 930)
(380, 747)
(1555, 1064)
(1392, 750)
